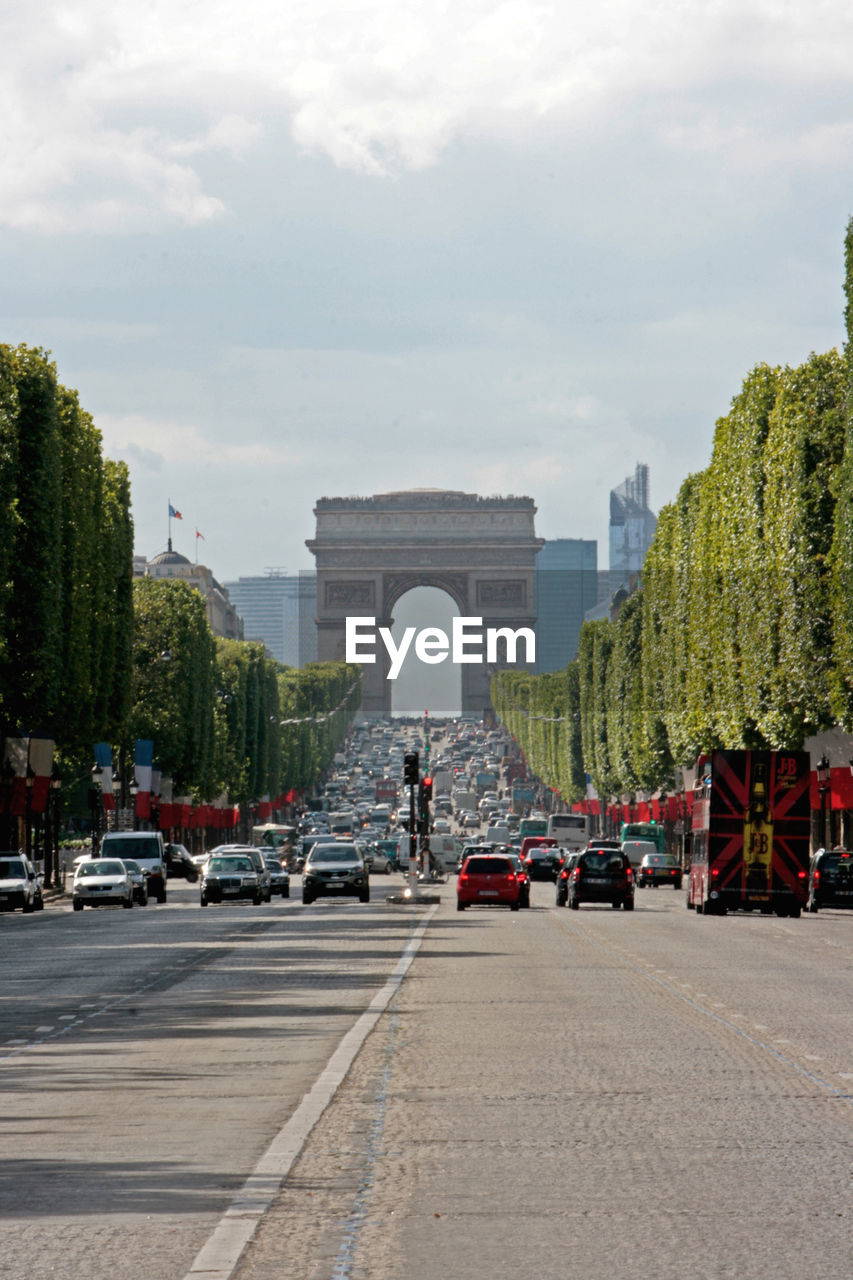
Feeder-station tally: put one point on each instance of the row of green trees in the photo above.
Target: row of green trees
(221, 714)
(66, 553)
(87, 654)
(742, 632)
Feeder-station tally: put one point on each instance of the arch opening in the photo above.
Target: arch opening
(421, 686)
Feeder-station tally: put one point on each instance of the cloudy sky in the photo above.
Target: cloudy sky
(312, 247)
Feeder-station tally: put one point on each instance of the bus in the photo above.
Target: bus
(570, 829)
(272, 835)
(652, 832)
(751, 833)
(533, 827)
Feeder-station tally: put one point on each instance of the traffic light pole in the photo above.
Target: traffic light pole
(412, 779)
(413, 841)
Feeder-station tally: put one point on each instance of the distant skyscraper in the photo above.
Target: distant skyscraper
(566, 585)
(632, 527)
(280, 609)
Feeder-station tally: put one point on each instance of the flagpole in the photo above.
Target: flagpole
(169, 543)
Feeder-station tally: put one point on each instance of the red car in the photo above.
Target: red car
(488, 879)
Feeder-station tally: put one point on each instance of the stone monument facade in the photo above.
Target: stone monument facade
(370, 551)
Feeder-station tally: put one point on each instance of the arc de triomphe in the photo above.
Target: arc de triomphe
(370, 551)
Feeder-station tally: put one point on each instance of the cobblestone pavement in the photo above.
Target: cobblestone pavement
(591, 1094)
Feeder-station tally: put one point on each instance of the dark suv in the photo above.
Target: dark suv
(831, 879)
(601, 875)
(333, 871)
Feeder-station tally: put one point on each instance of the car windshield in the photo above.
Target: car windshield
(327, 854)
(10, 868)
(228, 864)
(132, 866)
(101, 868)
(602, 860)
(135, 847)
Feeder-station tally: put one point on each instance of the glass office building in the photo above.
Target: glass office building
(566, 585)
(280, 609)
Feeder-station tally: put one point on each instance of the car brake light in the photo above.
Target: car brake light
(463, 876)
(817, 877)
(715, 871)
(576, 873)
(564, 875)
(628, 872)
(801, 875)
(511, 877)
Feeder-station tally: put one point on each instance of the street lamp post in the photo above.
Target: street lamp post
(823, 773)
(96, 805)
(51, 841)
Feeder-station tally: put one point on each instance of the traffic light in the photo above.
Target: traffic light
(424, 797)
(411, 768)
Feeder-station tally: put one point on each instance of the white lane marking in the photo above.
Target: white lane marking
(218, 1258)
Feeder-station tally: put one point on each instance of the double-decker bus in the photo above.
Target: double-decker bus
(651, 832)
(750, 833)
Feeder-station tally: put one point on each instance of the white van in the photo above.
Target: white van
(636, 850)
(146, 848)
(444, 850)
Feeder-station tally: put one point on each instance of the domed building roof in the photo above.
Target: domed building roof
(169, 557)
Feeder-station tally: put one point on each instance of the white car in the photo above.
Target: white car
(99, 882)
(18, 883)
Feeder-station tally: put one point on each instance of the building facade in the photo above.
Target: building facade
(222, 616)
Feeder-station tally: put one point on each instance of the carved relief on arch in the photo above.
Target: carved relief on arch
(507, 592)
(348, 592)
(395, 585)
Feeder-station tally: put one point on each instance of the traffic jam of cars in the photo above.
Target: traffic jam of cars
(477, 817)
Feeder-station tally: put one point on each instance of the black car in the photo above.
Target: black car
(659, 868)
(230, 876)
(601, 875)
(540, 862)
(179, 864)
(335, 871)
(831, 879)
(563, 876)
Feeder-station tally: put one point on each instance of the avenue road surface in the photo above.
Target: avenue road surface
(546, 1093)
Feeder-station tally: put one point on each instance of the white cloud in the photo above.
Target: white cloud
(106, 105)
(156, 443)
